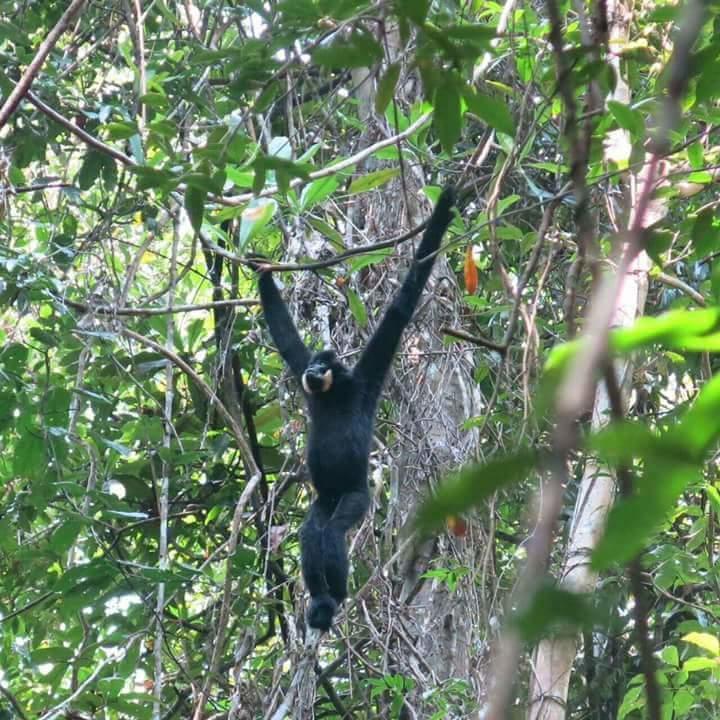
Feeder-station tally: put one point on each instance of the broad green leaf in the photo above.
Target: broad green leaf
(90, 169)
(634, 700)
(195, 206)
(471, 486)
(479, 34)
(359, 50)
(670, 656)
(52, 655)
(64, 536)
(714, 497)
(415, 10)
(628, 118)
(683, 702)
(494, 112)
(372, 180)
(357, 308)
(386, 88)
(255, 218)
(696, 155)
(98, 573)
(700, 426)
(447, 117)
(694, 664)
(121, 130)
(672, 326)
(705, 233)
(622, 442)
(329, 233)
(317, 191)
(371, 258)
(29, 459)
(633, 520)
(555, 610)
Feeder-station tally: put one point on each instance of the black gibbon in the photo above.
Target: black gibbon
(341, 402)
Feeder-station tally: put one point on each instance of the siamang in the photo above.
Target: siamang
(341, 402)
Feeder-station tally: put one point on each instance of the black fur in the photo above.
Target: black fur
(341, 421)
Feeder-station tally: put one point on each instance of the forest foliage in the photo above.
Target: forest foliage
(151, 474)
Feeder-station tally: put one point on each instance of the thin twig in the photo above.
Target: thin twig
(475, 339)
(151, 312)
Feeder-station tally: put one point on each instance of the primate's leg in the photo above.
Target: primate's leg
(349, 511)
(322, 606)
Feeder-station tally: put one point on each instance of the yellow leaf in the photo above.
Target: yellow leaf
(705, 641)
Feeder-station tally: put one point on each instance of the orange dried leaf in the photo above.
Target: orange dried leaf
(456, 525)
(471, 272)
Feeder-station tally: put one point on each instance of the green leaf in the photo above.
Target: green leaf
(714, 497)
(494, 112)
(478, 34)
(90, 169)
(634, 700)
(359, 50)
(700, 426)
(554, 610)
(415, 10)
(386, 88)
(317, 191)
(121, 130)
(471, 486)
(195, 206)
(627, 118)
(683, 702)
(694, 664)
(670, 656)
(52, 655)
(447, 117)
(357, 308)
(705, 234)
(673, 327)
(371, 258)
(64, 536)
(329, 233)
(255, 217)
(696, 155)
(372, 180)
(29, 460)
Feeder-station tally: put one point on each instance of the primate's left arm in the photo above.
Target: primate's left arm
(378, 354)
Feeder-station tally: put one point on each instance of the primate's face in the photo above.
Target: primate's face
(323, 370)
